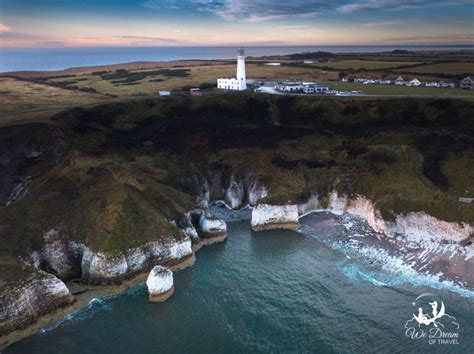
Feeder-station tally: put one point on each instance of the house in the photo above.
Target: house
(432, 84)
(467, 83)
(447, 84)
(308, 89)
(415, 82)
(195, 92)
(290, 86)
(400, 81)
(273, 64)
(164, 93)
(321, 89)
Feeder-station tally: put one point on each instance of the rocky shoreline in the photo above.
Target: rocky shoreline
(94, 291)
(99, 269)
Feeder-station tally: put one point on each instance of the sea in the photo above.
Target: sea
(39, 59)
(333, 286)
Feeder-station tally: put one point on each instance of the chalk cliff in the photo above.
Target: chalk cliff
(28, 297)
(269, 217)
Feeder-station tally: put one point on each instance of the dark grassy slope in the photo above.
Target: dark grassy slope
(119, 173)
(393, 150)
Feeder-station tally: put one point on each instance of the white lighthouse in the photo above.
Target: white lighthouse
(238, 83)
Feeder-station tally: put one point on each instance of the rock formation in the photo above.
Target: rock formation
(235, 194)
(160, 284)
(26, 299)
(98, 267)
(269, 217)
(210, 227)
(411, 224)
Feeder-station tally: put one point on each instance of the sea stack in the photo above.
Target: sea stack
(160, 284)
(271, 217)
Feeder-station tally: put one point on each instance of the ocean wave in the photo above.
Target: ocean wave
(388, 262)
(93, 306)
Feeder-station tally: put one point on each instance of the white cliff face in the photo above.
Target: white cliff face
(412, 225)
(178, 250)
(136, 259)
(337, 205)
(365, 209)
(212, 227)
(187, 227)
(55, 254)
(268, 217)
(23, 303)
(98, 267)
(311, 205)
(420, 224)
(256, 192)
(235, 195)
(191, 232)
(159, 281)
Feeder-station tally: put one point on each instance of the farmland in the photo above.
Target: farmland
(365, 64)
(444, 68)
(32, 96)
(393, 90)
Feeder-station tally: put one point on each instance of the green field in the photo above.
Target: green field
(443, 68)
(365, 64)
(392, 90)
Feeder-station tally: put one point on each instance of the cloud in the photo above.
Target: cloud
(151, 39)
(380, 24)
(358, 6)
(271, 10)
(246, 10)
(4, 28)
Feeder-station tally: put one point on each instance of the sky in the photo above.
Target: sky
(89, 23)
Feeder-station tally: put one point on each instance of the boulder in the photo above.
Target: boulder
(160, 284)
(270, 217)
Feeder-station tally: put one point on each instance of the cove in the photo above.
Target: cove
(272, 291)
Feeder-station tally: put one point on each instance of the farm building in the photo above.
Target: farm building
(415, 82)
(467, 83)
(195, 92)
(400, 81)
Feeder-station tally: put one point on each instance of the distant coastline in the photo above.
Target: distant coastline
(45, 59)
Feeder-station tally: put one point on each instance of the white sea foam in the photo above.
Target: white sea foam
(392, 261)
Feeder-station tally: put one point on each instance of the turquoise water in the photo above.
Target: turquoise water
(275, 291)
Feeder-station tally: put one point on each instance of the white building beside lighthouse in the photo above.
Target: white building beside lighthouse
(238, 83)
